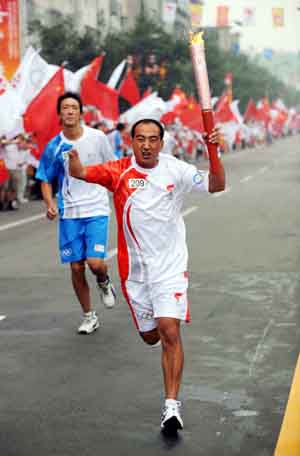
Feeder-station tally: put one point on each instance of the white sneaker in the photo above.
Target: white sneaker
(89, 324)
(171, 420)
(23, 200)
(107, 293)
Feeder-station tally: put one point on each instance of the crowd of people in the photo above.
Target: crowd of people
(21, 156)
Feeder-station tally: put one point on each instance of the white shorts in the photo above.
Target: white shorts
(148, 301)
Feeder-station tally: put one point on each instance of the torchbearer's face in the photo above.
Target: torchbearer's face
(69, 112)
(146, 144)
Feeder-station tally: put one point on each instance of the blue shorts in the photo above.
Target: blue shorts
(83, 238)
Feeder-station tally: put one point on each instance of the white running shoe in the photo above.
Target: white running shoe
(89, 323)
(107, 293)
(171, 420)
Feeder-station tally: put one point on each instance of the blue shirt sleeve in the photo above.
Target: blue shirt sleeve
(51, 163)
(118, 141)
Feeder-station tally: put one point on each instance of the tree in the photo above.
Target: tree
(63, 42)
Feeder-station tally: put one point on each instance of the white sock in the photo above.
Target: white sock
(170, 402)
(88, 314)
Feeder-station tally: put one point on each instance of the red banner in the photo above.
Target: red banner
(222, 16)
(9, 37)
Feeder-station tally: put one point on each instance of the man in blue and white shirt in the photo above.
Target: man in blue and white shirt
(83, 208)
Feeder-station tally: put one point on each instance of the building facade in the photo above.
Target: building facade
(115, 14)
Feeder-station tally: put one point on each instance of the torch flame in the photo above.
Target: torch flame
(196, 38)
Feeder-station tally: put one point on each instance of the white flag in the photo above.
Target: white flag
(32, 74)
(234, 106)
(11, 110)
(116, 75)
(151, 107)
(73, 80)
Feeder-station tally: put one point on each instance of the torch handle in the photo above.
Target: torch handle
(208, 121)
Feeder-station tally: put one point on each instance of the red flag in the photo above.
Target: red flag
(129, 89)
(250, 112)
(222, 16)
(223, 113)
(191, 115)
(4, 174)
(40, 117)
(95, 93)
(282, 112)
(106, 99)
(182, 103)
(179, 93)
(93, 70)
(263, 111)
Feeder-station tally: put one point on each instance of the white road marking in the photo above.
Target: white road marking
(189, 210)
(285, 325)
(246, 179)
(2, 317)
(244, 413)
(263, 169)
(22, 222)
(259, 346)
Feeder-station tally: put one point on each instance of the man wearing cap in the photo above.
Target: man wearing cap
(148, 190)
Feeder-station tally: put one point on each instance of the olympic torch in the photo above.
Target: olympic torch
(202, 83)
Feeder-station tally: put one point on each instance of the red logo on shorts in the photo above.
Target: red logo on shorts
(178, 296)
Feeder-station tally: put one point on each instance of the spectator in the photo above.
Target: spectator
(116, 140)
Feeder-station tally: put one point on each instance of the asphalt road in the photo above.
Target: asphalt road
(63, 394)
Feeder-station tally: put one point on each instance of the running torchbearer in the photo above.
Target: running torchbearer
(148, 190)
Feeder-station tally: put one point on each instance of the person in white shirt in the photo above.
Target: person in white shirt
(170, 144)
(148, 190)
(83, 208)
(11, 159)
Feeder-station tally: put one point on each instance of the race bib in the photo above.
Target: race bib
(137, 183)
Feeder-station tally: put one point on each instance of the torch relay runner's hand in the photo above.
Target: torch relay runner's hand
(76, 169)
(215, 137)
(51, 211)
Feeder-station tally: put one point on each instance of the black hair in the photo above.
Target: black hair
(73, 95)
(161, 128)
(120, 126)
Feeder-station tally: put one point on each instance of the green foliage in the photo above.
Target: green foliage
(63, 42)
